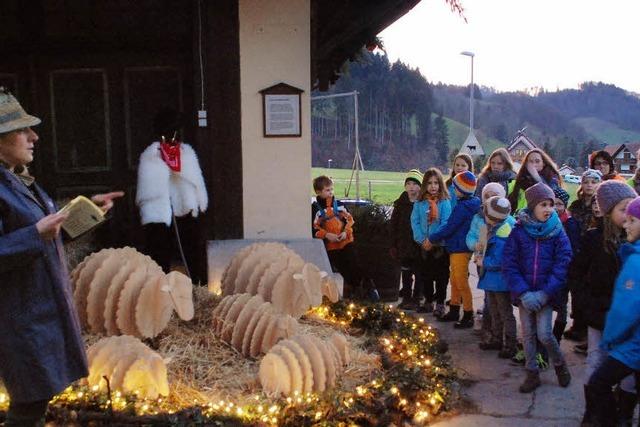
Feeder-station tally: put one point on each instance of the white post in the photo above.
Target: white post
(471, 91)
(355, 106)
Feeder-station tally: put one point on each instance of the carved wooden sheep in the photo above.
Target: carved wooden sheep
(121, 291)
(250, 324)
(303, 364)
(279, 276)
(129, 365)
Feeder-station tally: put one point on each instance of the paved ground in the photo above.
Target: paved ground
(492, 392)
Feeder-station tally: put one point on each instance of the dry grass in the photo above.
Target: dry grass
(202, 368)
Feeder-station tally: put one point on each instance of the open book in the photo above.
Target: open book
(83, 216)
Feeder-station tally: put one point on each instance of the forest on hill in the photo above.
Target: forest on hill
(406, 122)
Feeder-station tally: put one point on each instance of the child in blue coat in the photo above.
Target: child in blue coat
(430, 213)
(621, 336)
(499, 224)
(454, 234)
(535, 262)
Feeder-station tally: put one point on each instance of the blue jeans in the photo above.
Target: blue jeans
(536, 326)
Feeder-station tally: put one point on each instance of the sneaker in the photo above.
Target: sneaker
(580, 348)
(542, 361)
(408, 305)
(491, 345)
(427, 307)
(438, 311)
(518, 358)
(531, 382)
(507, 353)
(373, 295)
(575, 334)
(564, 377)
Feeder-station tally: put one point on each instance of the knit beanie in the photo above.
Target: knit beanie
(593, 174)
(561, 194)
(497, 208)
(633, 208)
(465, 182)
(494, 187)
(413, 175)
(537, 193)
(611, 192)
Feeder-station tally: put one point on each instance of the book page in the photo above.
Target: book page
(83, 216)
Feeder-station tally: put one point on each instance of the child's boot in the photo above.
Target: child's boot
(438, 312)
(453, 315)
(626, 406)
(588, 418)
(531, 382)
(564, 377)
(427, 307)
(466, 321)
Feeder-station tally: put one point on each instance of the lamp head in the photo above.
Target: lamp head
(467, 53)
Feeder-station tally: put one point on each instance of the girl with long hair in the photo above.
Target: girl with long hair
(430, 212)
(536, 167)
(499, 168)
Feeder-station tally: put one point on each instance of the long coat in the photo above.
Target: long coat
(41, 349)
(400, 228)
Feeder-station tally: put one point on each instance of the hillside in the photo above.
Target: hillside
(400, 123)
(605, 131)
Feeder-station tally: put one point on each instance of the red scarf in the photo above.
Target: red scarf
(564, 217)
(170, 153)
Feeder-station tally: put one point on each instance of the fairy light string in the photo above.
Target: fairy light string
(416, 383)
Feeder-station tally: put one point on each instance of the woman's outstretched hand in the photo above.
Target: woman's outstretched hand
(105, 201)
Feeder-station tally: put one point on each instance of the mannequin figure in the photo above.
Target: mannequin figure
(171, 187)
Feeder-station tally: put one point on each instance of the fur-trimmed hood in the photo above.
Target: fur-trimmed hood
(161, 191)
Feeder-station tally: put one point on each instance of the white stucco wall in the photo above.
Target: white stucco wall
(276, 172)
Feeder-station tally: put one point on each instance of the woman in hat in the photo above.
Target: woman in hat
(41, 349)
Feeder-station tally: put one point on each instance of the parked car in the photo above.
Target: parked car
(574, 179)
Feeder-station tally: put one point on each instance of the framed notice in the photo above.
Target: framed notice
(281, 105)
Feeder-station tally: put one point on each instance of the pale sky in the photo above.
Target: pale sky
(521, 44)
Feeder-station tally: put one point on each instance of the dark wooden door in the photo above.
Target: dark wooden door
(97, 117)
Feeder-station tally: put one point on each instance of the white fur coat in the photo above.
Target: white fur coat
(161, 190)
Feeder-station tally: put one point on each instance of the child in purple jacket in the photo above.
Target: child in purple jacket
(535, 261)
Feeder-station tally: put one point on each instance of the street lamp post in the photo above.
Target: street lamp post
(329, 162)
(471, 55)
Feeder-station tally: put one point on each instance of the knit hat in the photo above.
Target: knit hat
(561, 194)
(633, 208)
(497, 208)
(413, 175)
(494, 187)
(12, 115)
(537, 193)
(593, 174)
(465, 182)
(611, 192)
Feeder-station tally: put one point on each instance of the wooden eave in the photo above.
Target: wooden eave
(339, 29)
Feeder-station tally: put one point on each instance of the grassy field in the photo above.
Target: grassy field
(458, 133)
(385, 186)
(606, 131)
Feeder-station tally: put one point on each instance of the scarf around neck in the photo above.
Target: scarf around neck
(433, 208)
(170, 153)
(540, 230)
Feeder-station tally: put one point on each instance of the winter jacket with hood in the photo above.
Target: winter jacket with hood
(454, 233)
(593, 272)
(621, 336)
(400, 227)
(536, 257)
(420, 226)
(583, 214)
(492, 279)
